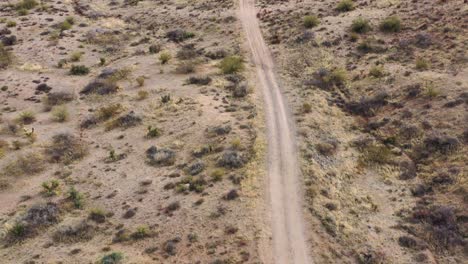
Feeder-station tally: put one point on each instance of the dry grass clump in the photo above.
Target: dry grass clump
(76, 232)
(231, 64)
(65, 148)
(60, 114)
(26, 164)
(5, 57)
(26, 118)
(311, 21)
(126, 121)
(57, 98)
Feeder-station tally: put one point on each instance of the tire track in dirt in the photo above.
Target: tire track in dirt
(289, 243)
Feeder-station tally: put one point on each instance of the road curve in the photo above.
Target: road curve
(289, 243)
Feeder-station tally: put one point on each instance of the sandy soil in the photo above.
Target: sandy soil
(289, 244)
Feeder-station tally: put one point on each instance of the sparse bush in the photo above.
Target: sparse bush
(26, 118)
(179, 35)
(326, 79)
(345, 5)
(140, 81)
(57, 98)
(65, 148)
(97, 215)
(153, 132)
(231, 64)
(185, 68)
(51, 188)
(76, 232)
(107, 112)
(390, 24)
(65, 25)
(155, 48)
(311, 21)
(26, 4)
(113, 258)
(360, 25)
(421, 64)
(142, 95)
(376, 154)
(306, 108)
(431, 90)
(166, 98)
(60, 114)
(377, 72)
(164, 57)
(5, 57)
(16, 233)
(76, 198)
(27, 164)
(367, 107)
(100, 87)
(187, 52)
(11, 24)
(140, 233)
(160, 157)
(217, 175)
(124, 122)
(76, 56)
(79, 70)
(199, 80)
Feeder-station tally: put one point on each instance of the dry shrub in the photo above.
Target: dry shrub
(65, 148)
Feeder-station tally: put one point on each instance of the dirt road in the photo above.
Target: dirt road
(289, 245)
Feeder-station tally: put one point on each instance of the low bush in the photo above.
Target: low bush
(113, 258)
(26, 118)
(60, 114)
(65, 148)
(51, 188)
(421, 64)
(231, 64)
(390, 24)
(5, 57)
(79, 70)
(311, 21)
(345, 5)
(26, 5)
(164, 57)
(27, 164)
(360, 25)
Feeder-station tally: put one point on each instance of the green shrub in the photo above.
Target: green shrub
(390, 24)
(231, 64)
(140, 233)
(311, 21)
(17, 232)
(76, 198)
(51, 188)
(153, 132)
(79, 70)
(345, 5)
(360, 25)
(113, 258)
(65, 25)
(164, 57)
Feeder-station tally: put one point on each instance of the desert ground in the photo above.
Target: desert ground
(233, 131)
